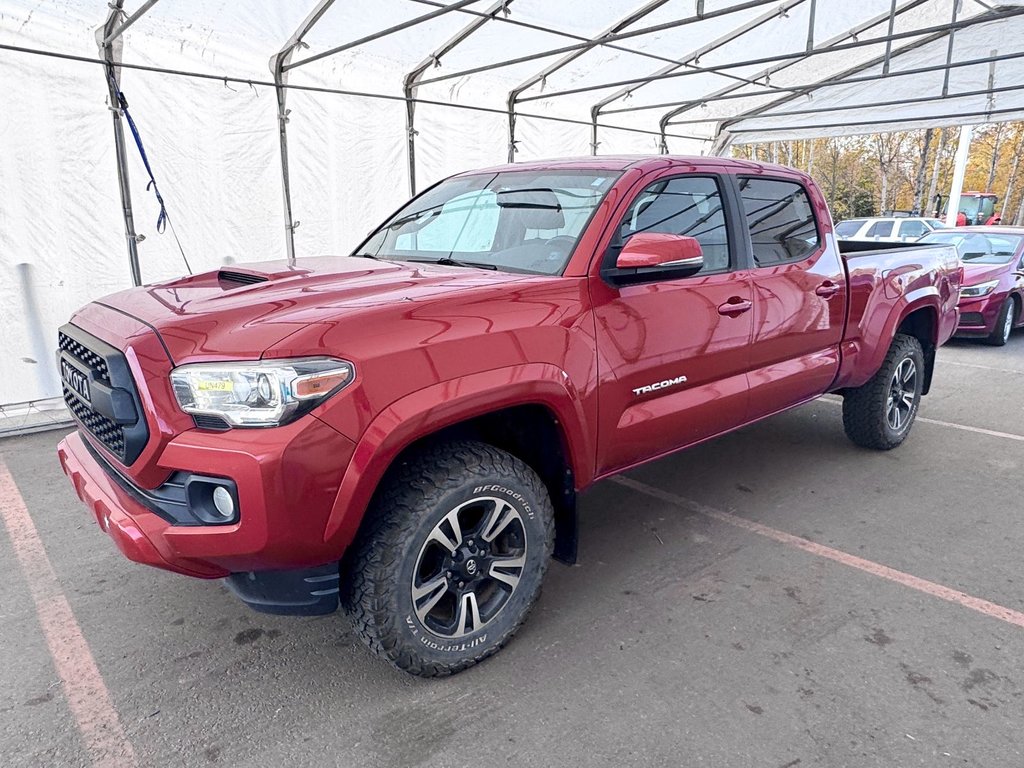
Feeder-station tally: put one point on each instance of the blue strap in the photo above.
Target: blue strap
(161, 221)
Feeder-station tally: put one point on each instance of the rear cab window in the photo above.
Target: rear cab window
(780, 219)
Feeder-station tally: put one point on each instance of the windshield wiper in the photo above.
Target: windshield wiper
(448, 261)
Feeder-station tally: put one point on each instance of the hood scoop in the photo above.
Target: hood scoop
(240, 278)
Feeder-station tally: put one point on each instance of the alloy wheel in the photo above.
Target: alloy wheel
(469, 567)
(899, 406)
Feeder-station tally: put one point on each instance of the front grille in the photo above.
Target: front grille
(972, 318)
(94, 362)
(99, 426)
(111, 412)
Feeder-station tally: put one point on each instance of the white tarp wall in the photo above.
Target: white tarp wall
(213, 143)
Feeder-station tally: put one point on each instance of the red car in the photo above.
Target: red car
(407, 428)
(992, 295)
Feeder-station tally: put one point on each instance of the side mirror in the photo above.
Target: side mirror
(657, 256)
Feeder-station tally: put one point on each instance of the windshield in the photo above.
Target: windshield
(975, 248)
(977, 208)
(517, 221)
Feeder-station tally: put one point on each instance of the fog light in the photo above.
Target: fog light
(223, 502)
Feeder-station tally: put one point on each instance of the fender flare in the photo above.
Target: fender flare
(428, 410)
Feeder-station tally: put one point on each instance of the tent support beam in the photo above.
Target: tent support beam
(568, 58)
(609, 39)
(410, 81)
(764, 74)
(838, 79)
(108, 37)
(963, 148)
(949, 50)
(693, 59)
(278, 64)
(115, 33)
(378, 35)
(814, 86)
(933, 120)
(942, 30)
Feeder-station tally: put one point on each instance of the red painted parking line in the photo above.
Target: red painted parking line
(984, 607)
(86, 694)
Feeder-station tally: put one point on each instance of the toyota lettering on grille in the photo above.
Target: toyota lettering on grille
(76, 380)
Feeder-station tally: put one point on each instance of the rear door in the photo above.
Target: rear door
(673, 353)
(881, 230)
(799, 289)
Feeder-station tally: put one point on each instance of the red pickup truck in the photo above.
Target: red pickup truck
(404, 430)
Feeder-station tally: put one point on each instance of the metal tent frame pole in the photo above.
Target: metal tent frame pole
(409, 82)
(108, 38)
(540, 77)
(278, 67)
(693, 59)
(934, 34)
(721, 69)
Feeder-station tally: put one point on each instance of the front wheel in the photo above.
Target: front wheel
(1004, 324)
(456, 547)
(879, 414)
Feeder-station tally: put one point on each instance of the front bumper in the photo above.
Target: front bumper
(978, 316)
(287, 480)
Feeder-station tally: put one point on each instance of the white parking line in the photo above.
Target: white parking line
(982, 606)
(951, 425)
(982, 367)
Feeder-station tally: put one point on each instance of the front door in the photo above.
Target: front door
(673, 354)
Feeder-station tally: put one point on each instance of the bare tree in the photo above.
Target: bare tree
(933, 187)
(917, 206)
(886, 148)
(997, 139)
(1017, 147)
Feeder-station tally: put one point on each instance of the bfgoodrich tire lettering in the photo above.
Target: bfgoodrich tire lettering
(880, 413)
(456, 545)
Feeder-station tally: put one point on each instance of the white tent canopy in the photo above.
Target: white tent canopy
(382, 95)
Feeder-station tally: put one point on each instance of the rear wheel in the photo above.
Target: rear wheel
(1004, 324)
(459, 540)
(879, 414)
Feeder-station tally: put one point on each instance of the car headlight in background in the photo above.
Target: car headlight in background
(981, 289)
(262, 393)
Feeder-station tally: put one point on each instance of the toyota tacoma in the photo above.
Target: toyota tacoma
(403, 431)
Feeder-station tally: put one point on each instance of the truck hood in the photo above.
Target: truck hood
(239, 311)
(980, 273)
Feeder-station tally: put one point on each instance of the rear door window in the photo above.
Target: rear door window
(780, 220)
(913, 229)
(849, 228)
(881, 228)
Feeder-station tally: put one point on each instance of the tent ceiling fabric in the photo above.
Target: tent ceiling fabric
(684, 76)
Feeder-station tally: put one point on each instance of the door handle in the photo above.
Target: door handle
(735, 306)
(827, 290)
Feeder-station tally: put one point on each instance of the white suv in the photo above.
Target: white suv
(895, 230)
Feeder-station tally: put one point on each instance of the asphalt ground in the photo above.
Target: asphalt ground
(775, 598)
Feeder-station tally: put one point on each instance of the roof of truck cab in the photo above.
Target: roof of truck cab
(642, 162)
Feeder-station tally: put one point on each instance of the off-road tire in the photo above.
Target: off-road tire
(1001, 334)
(865, 407)
(414, 498)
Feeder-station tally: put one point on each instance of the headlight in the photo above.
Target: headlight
(981, 289)
(263, 393)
